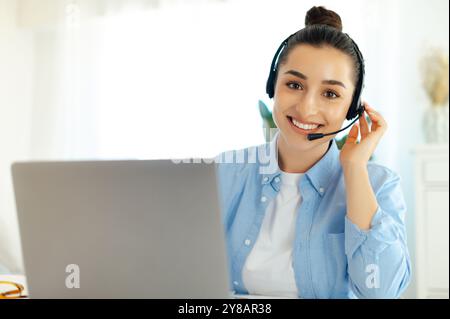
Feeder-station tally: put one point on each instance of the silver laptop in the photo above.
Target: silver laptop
(121, 229)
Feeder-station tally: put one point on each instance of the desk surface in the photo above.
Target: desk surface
(18, 279)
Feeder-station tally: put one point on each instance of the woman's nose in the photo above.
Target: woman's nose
(308, 105)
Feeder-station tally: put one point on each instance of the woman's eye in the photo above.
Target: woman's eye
(334, 96)
(293, 85)
(296, 86)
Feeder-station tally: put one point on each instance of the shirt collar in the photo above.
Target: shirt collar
(319, 175)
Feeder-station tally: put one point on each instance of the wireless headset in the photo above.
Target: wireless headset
(356, 108)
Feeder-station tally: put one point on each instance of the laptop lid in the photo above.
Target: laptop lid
(121, 229)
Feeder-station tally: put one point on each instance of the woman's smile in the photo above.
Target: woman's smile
(303, 128)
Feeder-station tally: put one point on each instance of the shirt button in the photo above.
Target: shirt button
(277, 179)
(263, 199)
(265, 179)
(247, 242)
(321, 190)
(235, 283)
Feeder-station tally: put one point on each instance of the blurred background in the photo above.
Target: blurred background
(146, 79)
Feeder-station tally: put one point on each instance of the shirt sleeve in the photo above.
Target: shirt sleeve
(379, 265)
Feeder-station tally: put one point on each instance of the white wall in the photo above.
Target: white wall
(424, 23)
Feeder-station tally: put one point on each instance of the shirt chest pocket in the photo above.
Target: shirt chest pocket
(337, 265)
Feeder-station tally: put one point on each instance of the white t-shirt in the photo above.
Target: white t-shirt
(268, 269)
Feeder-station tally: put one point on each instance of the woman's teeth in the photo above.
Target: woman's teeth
(304, 126)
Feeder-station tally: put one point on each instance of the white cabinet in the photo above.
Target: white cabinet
(431, 220)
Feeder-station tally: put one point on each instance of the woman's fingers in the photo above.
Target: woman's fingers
(376, 119)
(364, 126)
(352, 136)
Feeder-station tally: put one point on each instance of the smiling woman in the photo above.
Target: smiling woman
(326, 101)
(312, 227)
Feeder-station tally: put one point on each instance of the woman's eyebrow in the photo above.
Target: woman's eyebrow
(304, 77)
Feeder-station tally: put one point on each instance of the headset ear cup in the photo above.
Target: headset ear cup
(269, 85)
(355, 110)
(351, 112)
(273, 82)
(272, 85)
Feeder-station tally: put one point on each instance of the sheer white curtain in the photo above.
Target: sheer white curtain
(175, 78)
(141, 79)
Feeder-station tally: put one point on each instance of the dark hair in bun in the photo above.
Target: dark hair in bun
(320, 15)
(322, 28)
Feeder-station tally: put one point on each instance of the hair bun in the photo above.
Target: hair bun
(320, 15)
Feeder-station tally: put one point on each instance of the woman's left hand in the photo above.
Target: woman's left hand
(353, 153)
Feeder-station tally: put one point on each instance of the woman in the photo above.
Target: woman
(303, 219)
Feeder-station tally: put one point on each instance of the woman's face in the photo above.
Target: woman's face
(314, 87)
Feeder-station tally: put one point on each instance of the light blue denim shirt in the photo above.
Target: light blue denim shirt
(332, 257)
